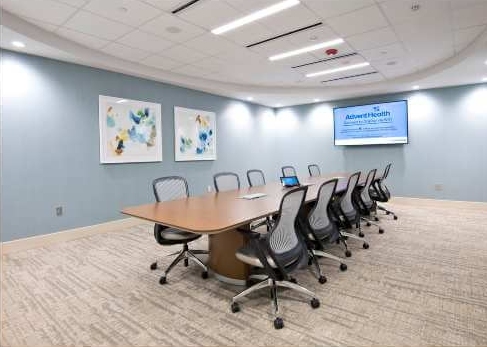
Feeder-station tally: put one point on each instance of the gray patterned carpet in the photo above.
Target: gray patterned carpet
(423, 282)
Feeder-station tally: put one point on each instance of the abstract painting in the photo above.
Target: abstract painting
(130, 130)
(194, 134)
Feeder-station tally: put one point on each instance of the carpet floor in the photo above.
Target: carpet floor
(421, 283)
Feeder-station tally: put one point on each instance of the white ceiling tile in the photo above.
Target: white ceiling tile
(83, 39)
(166, 5)
(89, 23)
(460, 4)
(249, 34)
(210, 14)
(419, 34)
(48, 11)
(331, 64)
(161, 62)
(290, 19)
(211, 44)
(372, 39)
(183, 54)
(193, 71)
(313, 36)
(275, 47)
(124, 52)
(342, 49)
(211, 64)
(333, 8)
(249, 6)
(75, 3)
(242, 55)
(470, 16)
(147, 42)
(384, 52)
(357, 22)
(163, 24)
(400, 11)
(363, 79)
(463, 37)
(136, 12)
(41, 24)
(295, 61)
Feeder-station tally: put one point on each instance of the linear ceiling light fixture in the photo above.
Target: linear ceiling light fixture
(306, 49)
(338, 69)
(265, 12)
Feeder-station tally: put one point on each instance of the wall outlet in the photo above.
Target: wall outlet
(59, 211)
(438, 187)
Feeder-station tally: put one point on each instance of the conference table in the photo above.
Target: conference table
(219, 214)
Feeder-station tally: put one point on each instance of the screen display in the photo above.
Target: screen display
(290, 181)
(374, 124)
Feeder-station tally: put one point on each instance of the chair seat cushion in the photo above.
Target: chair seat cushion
(173, 234)
(248, 255)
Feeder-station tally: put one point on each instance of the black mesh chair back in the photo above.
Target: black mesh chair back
(365, 193)
(255, 178)
(346, 203)
(283, 242)
(314, 170)
(319, 218)
(226, 181)
(170, 188)
(288, 171)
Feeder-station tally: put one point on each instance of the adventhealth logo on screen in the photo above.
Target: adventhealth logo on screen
(374, 114)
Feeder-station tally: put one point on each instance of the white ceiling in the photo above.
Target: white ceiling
(403, 46)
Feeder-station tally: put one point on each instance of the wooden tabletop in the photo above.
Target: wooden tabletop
(217, 212)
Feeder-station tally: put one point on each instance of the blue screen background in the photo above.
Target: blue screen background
(371, 121)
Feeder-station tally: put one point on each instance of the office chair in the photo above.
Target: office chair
(288, 171)
(364, 202)
(346, 213)
(255, 178)
(167, 189)
(380, 193)
(278, 253)
(224, 181)
(314, 170)
(319, 228)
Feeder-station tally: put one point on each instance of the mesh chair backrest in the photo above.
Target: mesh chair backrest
(364, 195)
(283, 237)
(255, 178)
(226, 181)
(314, 170)
(346, 203)
(170, 188)
(288, 171)
(318, 217)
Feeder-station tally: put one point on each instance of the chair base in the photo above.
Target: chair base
(388, 212)
(273, 285)
(185, 254)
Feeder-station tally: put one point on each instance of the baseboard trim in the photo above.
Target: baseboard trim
(403, 198)
(67, 235)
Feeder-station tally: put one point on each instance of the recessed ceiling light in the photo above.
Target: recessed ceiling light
(338, 69)
(250, 98)
(484, 79)
(278, 105)
(486, 62)
(390, 63)
(415, 87)
(121, 101)
(306, 49)
(280, 6)
(316, 100)
(383, 52)
(313, 38)
(173, 30)
(18, 44)
(123, 9)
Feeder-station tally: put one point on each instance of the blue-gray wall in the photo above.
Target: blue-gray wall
(50, 144)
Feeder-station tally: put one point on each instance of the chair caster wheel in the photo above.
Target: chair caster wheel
(162, 280)
(381, 231)
(365, 245)
(310, 262)
(315, 303)
(293, 280)
(186, 262)
(368, 224)
(204, 275)
(153, 266)
(361, 234)
(388, 213)
(376, 219)
(343, 267)
(235, 307)
(348, 254)
(322, 279)
(278, 323)
(395, 217)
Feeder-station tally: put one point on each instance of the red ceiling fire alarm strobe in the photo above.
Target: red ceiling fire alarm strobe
(331, 51)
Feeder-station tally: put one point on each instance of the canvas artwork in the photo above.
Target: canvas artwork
(195, 134)
(130, 130)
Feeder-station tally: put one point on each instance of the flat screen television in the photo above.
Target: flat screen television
(373, 124)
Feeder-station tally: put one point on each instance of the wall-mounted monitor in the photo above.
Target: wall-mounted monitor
(374, 124)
